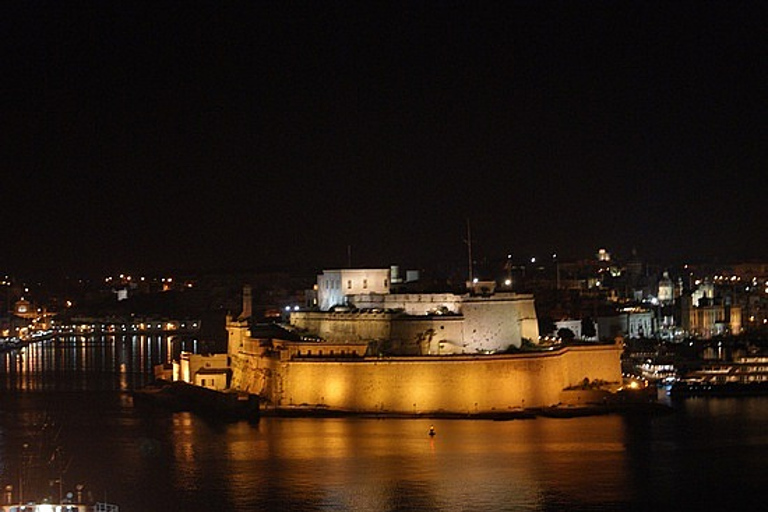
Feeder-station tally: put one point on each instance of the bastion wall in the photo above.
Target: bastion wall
(486, 324)
(418, 385)
(344, 326)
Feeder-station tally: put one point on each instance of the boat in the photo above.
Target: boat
(746, 376)
(697, 387)
(70, 503)
(32, 472)
(9, 343)
(182, 396)
(60, 507)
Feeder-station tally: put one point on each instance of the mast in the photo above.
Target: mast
(469, 254)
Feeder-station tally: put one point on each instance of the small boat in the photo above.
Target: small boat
(60, 507)
(182, 396)
(70, 503)
(432, 432)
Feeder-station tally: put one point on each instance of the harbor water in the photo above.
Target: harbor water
(72, 396)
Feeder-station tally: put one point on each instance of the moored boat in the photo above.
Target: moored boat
(182, 396)
(70, 503)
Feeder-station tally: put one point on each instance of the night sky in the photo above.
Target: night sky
(144, 136)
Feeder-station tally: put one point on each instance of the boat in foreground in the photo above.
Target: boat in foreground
(60, 507)
(70, 503)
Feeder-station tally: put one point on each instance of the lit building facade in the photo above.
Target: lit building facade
(334, 286)
(634, 323)
(208, 371)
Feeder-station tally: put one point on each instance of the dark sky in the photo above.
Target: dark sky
(142, 136)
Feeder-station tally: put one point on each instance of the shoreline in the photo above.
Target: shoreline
(639, 409)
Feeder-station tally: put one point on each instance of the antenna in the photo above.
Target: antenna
(468, 241)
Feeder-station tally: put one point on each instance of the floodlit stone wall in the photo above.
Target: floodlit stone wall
(409, 303)
(337, 327)
(429, 335)
(486, 324)
(418, 385)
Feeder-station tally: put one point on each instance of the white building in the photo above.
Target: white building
(629, 324)
(334, 286)
(703, 294)
(208, 371)
(666, 293)
(574, 325)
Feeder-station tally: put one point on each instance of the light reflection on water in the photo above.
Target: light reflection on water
(79, 361)
(711, 452)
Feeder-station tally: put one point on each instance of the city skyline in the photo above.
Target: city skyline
(249, 135)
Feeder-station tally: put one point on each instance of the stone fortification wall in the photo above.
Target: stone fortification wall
(487, 324)
(340, 327)
(429, 335)
(410, 303)
(495, 323)
(456, 384)
(526, 314)
(255, 372)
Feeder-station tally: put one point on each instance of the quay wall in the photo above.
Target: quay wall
(419, 385)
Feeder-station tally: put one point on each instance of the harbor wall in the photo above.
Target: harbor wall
(421, 385)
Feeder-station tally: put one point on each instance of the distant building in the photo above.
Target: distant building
(666, 293)
(574, 325)
(632, 323)
(704, 294)
(708, 320)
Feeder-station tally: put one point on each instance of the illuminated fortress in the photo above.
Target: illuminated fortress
(431, 353)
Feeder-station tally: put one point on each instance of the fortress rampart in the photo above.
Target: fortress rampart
(485, 324)
(422, 385)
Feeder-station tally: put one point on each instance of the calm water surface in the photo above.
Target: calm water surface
(75, 394)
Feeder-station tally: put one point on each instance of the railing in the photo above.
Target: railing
(105, 507)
